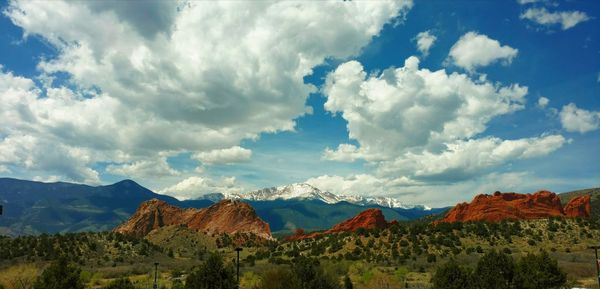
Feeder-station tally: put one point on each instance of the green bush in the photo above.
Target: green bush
(279, 278)
(177, 284)
(60, 275)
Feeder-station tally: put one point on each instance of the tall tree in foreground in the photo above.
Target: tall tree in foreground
(213, 274)
(59, 275)
(539, 272)
(495, 270)
(451, 276)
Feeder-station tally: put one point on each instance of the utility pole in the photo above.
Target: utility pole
(155, 286)
(238, 249)
(597, 263)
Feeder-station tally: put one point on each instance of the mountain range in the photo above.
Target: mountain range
(303, 191)
(32, 207)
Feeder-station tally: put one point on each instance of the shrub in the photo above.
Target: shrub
(177, 284)
(279, 278)
(59, 275)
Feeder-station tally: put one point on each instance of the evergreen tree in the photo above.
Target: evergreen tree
(495, 270)
(451, 276)
(311, 276)
(59, 275)
(213, 274)
(539, 272)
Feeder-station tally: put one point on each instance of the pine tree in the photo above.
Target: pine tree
(539, 272)
(60, 275)
(451, 276)
(213, 274)
(495, 270)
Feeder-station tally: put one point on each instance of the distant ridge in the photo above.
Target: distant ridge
(32, 207)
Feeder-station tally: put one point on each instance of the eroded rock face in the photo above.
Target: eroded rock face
(578, 207)
(227, 216)
(367, 219)
(513, 206)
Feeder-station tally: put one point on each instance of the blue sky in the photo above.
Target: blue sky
(230, 97)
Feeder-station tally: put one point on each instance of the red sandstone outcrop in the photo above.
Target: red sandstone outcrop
(502, 206)
(578, 207)
(227, 216)
(367, 219)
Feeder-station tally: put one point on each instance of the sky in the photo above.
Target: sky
(430, 102)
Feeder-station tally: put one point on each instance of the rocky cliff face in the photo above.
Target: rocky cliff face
(367, 219)
(501, 206)
(227, 216)
(578, 207)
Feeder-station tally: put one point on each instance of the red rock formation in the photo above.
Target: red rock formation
(578, 207)
(227, 216)
(501, 206)
(367, 219)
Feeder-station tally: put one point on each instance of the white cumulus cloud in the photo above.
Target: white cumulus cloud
(144, 169)
(574, 119)
(191, 78)
(196, 186)
(424, 125)
(543, 102)
(230, 155)
(475, 50)
(566, 19)
(425, 41)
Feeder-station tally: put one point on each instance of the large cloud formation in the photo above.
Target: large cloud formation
(417, 126)
(202, 78)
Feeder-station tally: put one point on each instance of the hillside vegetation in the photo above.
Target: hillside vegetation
(405, 255)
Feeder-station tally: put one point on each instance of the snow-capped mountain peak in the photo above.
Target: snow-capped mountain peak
(303, 191)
